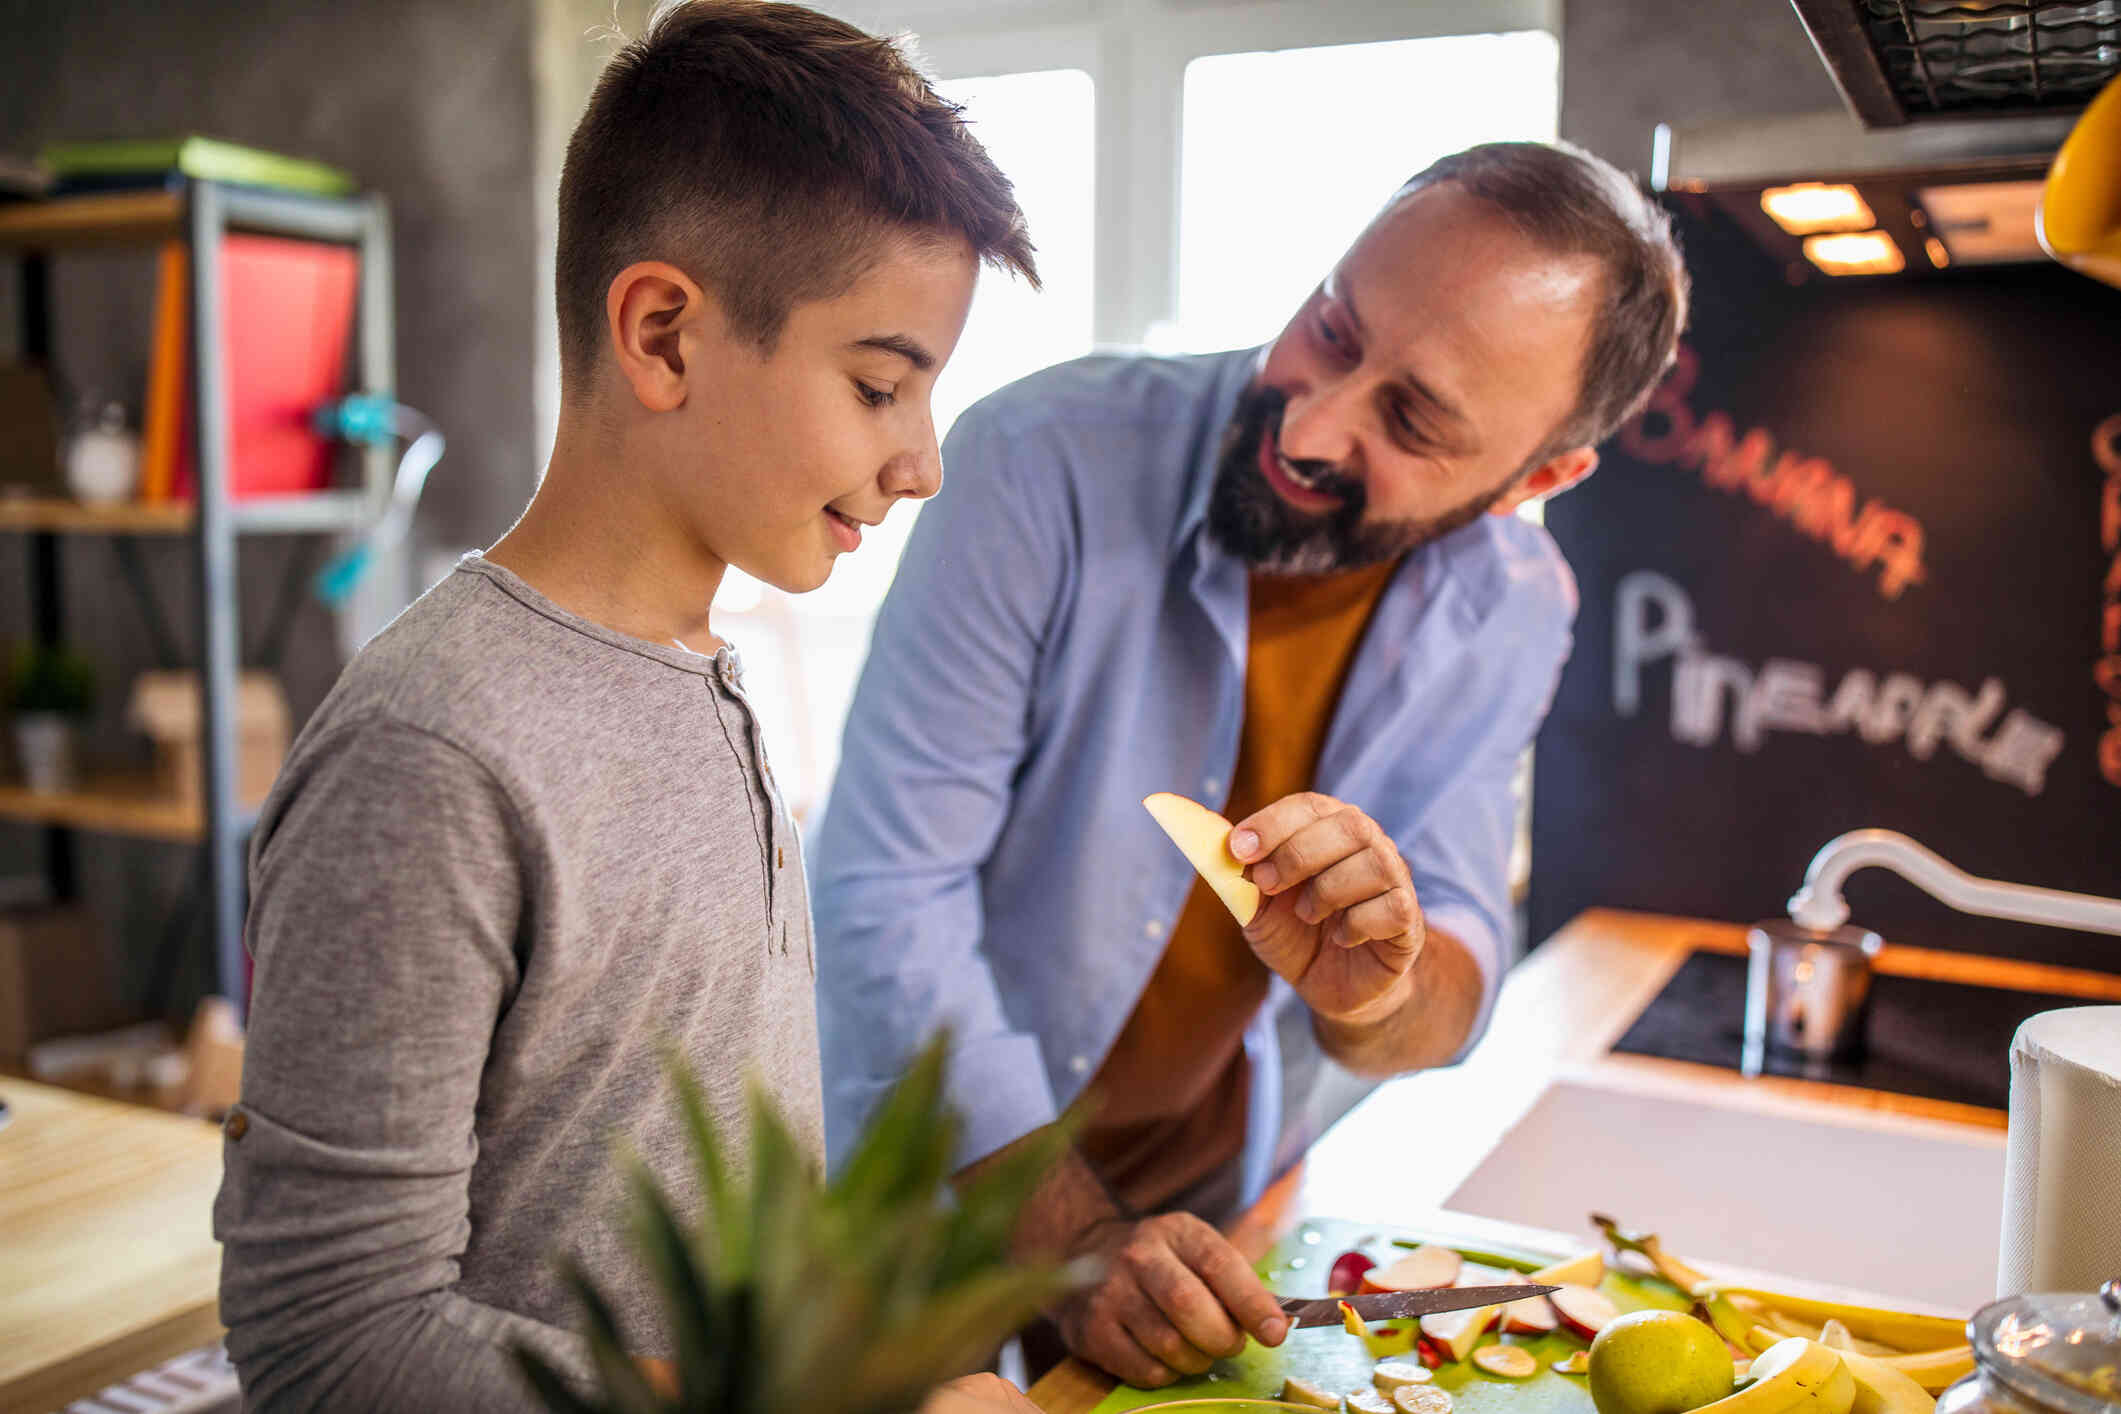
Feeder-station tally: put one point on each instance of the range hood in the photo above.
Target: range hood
(1930, 196)
(1900, 62)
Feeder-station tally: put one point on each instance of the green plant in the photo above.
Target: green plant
(789, 1293)
(46, 678)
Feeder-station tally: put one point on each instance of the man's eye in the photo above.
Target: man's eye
(876, 397)
(1331, 335)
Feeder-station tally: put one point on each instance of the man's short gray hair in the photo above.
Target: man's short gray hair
(1575, 203)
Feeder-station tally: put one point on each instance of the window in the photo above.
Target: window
(1272, 190)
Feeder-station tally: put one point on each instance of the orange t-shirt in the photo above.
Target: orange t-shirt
(1172, 1088)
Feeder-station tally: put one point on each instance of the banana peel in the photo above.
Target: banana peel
(1647, 1244)
(1799, 1377)
(1882, 1389)
(1901, 1331)
(1754, 1320)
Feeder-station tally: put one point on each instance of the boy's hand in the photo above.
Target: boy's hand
(1340, 921)
(1174, 1296)
(979, 1394)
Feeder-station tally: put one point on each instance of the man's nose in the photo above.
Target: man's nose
(1318, 424)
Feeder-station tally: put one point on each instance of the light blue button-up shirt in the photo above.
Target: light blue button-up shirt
(1064, 638)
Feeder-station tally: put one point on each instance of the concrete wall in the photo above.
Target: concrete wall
(1628, 65)
(430, 104)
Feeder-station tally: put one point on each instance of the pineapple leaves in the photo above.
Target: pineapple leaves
(853, 1297)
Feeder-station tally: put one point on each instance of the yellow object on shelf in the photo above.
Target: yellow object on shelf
(2080, 210)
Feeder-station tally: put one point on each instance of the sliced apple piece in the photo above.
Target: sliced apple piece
(1353, 1322)
(1346, 1276)
(1535, 1315)
(1396, 1374)
(1457, 1332)
(1422, 1399)
(1512, 1362)
(1297, 1391)
(1423, 1269)
(1577, 1364)
(1584, 1310)
(1204, 838)
(1587, 1270)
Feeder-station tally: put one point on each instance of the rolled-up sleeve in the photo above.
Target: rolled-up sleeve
(386, 896)
(936, 734)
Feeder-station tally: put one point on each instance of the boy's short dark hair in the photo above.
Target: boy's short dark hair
(768, 151)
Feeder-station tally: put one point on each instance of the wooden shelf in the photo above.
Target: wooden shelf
(113, 804)
(109, 218)
(126, 518)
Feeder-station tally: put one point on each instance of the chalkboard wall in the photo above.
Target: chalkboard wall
(1856, 566)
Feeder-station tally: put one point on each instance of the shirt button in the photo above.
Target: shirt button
(237, 1124)
(1154, 927)
(1079, 1064)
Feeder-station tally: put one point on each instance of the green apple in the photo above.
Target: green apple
(1658, 1362)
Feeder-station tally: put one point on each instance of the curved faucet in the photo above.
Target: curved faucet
(1819, 903)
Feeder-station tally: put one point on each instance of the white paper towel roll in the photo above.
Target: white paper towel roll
(2062, 1168)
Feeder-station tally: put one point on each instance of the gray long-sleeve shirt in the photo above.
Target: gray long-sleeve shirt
(512, 856)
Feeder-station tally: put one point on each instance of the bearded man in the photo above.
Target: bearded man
(1288, 582)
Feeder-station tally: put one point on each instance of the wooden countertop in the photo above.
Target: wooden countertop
(1559, 1013)
(106, 1236)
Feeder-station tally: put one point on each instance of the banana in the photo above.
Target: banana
(1935, 1370)
(1881, 1389)
(1902, 1331)
(1795, 1376)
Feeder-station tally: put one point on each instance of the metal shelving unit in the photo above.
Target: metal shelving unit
(197, 213)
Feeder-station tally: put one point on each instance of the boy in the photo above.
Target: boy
(532, 833)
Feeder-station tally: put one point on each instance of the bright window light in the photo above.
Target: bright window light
(1287, 154)
(1809, 208)
(1856, 253)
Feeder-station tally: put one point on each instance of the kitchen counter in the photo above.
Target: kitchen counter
(1407, 1154)
(106, 1240)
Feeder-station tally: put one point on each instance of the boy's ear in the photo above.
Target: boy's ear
(1551, 478)
(648, 309)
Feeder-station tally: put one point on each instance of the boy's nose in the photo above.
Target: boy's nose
(914, 474)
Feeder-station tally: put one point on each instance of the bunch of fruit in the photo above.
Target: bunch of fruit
(1742, 1351)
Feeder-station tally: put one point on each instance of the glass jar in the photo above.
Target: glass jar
(2047, 1353)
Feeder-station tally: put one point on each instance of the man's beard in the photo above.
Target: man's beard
(1250, 521)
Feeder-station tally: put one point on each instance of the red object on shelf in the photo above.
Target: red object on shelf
(286, 321)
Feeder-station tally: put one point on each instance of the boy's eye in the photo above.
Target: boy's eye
(875, 397)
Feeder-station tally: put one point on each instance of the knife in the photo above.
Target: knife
(1398, 1305)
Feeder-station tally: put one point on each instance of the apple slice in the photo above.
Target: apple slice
(1535, 1315)
(1457, 1332)
(1423, 1269)
(1584, 1310)
(1346, 1277)
(1587, 1270)
(1204, 838)
(1578, 1363)
(1512, 1362)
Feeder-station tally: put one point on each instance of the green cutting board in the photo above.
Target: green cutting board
(1328, 1356)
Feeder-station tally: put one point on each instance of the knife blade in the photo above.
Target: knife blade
(1398, 1305)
